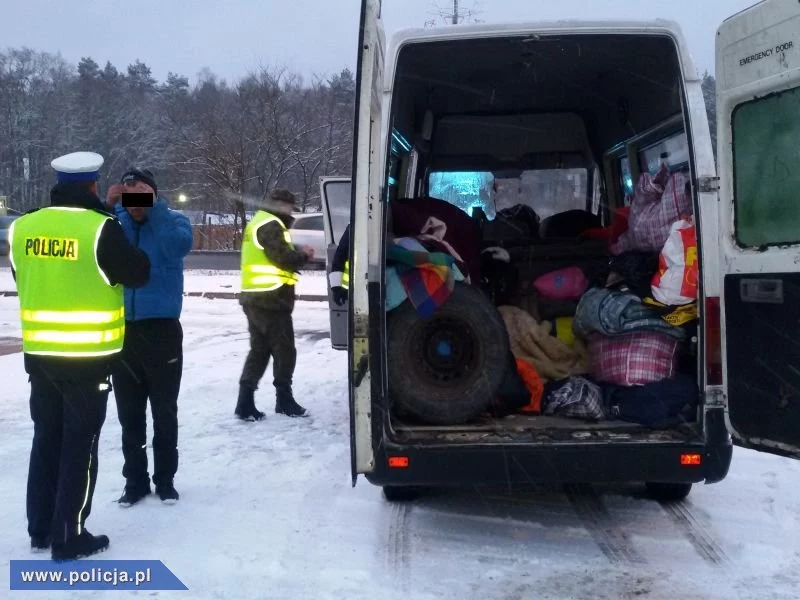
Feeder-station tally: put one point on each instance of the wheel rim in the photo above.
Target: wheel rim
(445, 351)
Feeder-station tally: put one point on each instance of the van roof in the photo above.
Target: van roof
(567, 27)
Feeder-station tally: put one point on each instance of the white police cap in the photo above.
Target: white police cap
(78, 166)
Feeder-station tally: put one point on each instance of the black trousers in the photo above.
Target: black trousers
(151, 367)
(271, 336)
(67, 419)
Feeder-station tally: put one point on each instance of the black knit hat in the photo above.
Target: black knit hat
(143, 175)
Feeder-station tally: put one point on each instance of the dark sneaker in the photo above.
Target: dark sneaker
(40, 543)
(167, 493)
(130, 497)
(252, 414)
(80, 546)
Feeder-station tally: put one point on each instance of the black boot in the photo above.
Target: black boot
(79, 546)
(40, 543)
(132, 495)
(246, 405)
(285, 404)
(167, 493)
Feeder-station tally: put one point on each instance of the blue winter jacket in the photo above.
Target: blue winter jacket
(166, 237)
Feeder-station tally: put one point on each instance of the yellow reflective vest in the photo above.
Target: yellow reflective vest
(67, 305)
(258, 272)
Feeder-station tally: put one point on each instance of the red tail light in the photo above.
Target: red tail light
(713, 342)
(398, 462)
(691, 460)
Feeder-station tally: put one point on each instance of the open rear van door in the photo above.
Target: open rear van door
(758, 123)
(366, 219)
(336, 194)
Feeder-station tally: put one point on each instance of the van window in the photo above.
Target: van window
(553, 191)
(626, 179)
(338, 194)
(546, 191)
(465, 189)
(676, 148)
(766, 170)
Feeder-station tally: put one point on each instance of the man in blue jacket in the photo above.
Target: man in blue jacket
(152, 357)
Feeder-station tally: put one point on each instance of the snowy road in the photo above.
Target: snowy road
(267, 511)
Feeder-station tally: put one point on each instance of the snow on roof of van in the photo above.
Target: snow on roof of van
(567, 27)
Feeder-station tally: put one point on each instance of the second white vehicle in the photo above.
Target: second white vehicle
(308, 230)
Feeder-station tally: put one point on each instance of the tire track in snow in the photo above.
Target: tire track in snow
(398, 544)
(610, 537)
(698, 536)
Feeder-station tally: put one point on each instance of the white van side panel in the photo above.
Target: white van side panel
(707, 199)
(366, 226)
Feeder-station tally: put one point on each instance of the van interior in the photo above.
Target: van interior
(552, 128)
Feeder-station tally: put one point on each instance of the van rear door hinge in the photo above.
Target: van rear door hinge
(708, 184)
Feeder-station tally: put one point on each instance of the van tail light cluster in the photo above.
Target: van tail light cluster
(713, 340)
(398, 462)
(691, 460)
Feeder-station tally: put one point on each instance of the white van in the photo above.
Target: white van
(588, 106)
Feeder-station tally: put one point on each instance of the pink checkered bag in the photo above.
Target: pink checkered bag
(633, 359)
(659, 202)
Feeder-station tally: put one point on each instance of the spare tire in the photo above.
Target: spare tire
(445, 369)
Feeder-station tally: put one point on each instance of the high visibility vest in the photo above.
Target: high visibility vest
(346, 275)
(258, 272)
(67, 305)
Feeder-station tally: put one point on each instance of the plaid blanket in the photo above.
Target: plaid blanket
(427, 277)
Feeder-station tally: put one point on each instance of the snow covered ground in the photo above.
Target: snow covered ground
(267, 510)
(311, 283)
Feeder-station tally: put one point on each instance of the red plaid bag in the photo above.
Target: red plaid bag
(633, 359)
(659, 202)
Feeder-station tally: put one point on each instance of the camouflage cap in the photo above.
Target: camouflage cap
(282, 200)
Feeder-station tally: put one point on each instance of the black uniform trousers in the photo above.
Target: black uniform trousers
(151, 367)
(271, 336)
(67, 419)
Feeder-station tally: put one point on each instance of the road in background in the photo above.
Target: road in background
(212, 261)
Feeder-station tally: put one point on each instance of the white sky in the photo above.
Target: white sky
(309, 36)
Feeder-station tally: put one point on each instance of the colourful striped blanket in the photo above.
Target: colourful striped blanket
(428, 277)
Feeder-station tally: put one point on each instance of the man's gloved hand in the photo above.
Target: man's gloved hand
(339, 295)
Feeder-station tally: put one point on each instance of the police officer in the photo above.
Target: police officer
(70, 261)
(339, 278)
(269, 264)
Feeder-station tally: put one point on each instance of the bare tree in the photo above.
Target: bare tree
(225, 146)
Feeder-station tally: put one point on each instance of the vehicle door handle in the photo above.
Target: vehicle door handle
(761, 291)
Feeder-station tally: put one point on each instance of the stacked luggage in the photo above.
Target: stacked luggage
(635, 322)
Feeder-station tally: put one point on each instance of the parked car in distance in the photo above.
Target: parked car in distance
(5, 242)
(308, 230)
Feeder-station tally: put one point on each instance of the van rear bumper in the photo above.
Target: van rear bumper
(525, 464)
